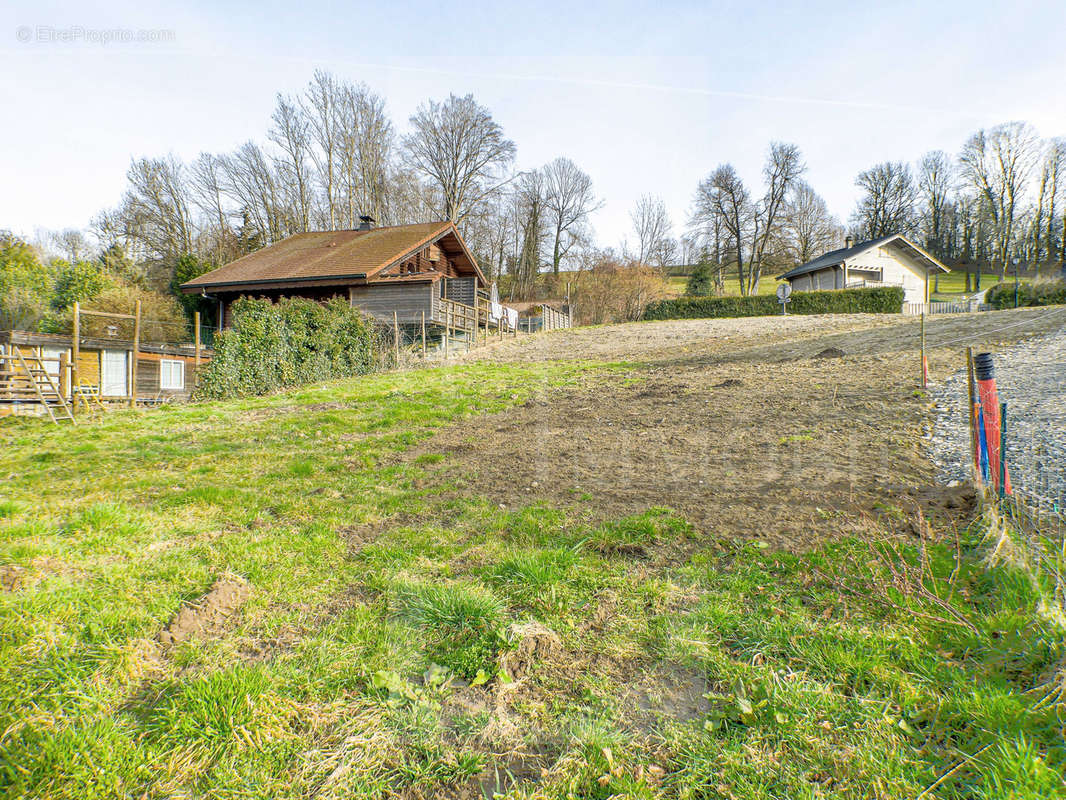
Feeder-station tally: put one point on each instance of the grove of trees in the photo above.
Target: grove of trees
(332, 154)
(1001, 199)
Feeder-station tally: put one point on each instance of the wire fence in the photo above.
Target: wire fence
(1038, 474)
(1021, 473)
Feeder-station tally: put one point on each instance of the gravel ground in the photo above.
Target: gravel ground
(1031, 379)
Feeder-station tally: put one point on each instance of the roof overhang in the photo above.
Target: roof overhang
(899, 241)
(274, 283)
(447, 231)
(923, 257)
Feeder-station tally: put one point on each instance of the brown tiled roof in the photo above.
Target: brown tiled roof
(321, 255)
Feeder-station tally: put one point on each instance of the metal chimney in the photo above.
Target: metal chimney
(366, 222)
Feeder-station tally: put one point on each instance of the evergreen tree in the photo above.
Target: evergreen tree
(701, 279)
(186, 268)
(79, 282)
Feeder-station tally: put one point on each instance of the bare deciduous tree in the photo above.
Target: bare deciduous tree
(936, 176)
(783, 167)
(568, 201)
(808, 229)
(291, 133)
(320, 108)
(653, 227)
(207, 179)
(887, 204)
(156, 207)
(1050, 184)
(723, 197)
(998, 162)
(461, 149)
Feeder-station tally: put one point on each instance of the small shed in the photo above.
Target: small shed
(105, 367)
(887, 261)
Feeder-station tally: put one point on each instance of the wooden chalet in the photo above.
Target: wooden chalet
(407, 274)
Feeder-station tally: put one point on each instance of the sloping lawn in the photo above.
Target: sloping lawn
(352, 625)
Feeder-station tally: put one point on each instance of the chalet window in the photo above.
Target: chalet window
(171, 374)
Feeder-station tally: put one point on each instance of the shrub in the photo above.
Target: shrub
(878, 300)
(616, 291)
(77, 282)
(25, 284)
(1042, 293)
(288, 343)
(700, 280)
(162, 319)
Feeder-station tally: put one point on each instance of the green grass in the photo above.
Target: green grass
(767, 285)
(379, 591)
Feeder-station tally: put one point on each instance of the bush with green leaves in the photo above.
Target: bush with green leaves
(1043, 293)
(25, 284)
(78, 282)
(289, 343)
(877, 300)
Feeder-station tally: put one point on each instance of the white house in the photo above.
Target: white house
(888, 261)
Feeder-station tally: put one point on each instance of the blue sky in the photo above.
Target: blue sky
(645, 97)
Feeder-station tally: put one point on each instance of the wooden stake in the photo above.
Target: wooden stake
(924, 367)
(925, 302)
(972, 390)
(196, 340)
(423, 333)
(75, 350)
(64, 375)
(396, 337)
(136, 351)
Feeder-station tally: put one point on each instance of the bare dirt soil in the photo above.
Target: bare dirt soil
(209, 615)
(786, 430)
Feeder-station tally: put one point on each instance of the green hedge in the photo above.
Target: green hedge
(880, 300)
(288, 343)
(1050, 293)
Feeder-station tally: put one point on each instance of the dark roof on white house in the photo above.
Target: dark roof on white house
(834, 258)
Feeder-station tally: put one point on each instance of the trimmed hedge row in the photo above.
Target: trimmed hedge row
(878, 300)
(288, 343)
(1051, 293)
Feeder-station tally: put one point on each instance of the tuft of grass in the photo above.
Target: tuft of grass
(9, 508)
(535, 569)
(215, 709)
(634, 534)
(461, 622)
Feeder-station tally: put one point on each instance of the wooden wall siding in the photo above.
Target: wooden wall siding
(462, 290)
(89, 367)
(148, 366)
(420, 263)
(380, 300)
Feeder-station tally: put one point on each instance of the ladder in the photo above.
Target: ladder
(45, 388)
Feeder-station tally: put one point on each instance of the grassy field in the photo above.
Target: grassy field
(266, 598)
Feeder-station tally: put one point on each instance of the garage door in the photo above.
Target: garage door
(113, 377)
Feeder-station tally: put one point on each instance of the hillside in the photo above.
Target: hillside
(649, 560)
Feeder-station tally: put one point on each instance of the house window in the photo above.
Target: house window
(171, 374)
